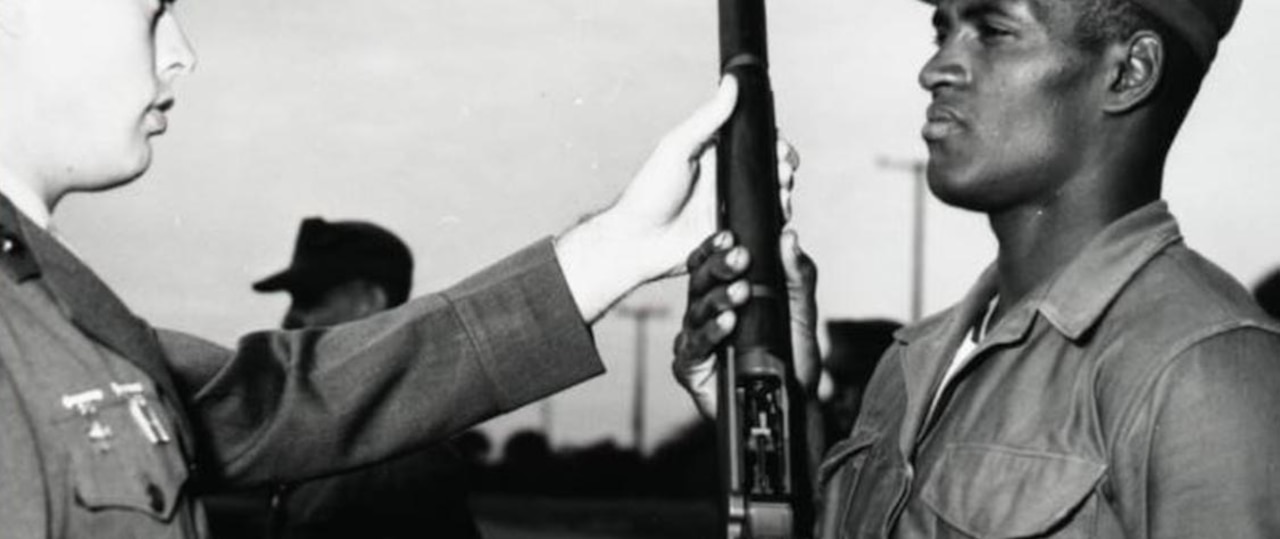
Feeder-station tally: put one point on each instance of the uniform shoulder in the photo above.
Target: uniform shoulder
(1180, 308)
(1180, 297)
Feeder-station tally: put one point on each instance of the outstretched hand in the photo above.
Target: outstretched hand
(661, 215)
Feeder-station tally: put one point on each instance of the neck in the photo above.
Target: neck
(1036, 241)
(33, 201)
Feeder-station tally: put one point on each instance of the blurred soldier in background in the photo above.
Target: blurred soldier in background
(343, 271)
(1267, 293)
(854, 351)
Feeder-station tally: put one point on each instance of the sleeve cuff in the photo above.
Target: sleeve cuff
(524, 321)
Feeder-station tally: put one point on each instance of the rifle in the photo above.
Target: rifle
(764, 464)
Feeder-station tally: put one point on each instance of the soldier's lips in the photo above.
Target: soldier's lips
(155, 119)
(156, 122)
(940, 122)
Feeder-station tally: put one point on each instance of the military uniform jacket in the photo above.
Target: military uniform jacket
(1136, 394)
(109, 428)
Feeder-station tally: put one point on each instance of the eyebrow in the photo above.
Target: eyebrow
(984, 8)
(973, 10)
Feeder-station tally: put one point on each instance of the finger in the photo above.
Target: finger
(691, 136)
(826, 387)
(802, 274)
(690, 367)
(784, 200)
(698, 377)
(694, 346)
(787, 154)
(718, 300)
(786, 185)
(786, 176)
(720, 241)
(718, 270)
(788, 164)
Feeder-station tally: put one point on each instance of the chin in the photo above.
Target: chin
(960, 188)
(945, 181)
(136, 163)
(122, 172)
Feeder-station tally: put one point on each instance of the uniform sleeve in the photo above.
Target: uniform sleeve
(289, 405)
(1214, 431)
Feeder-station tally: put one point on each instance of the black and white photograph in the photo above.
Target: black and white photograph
(645, 269)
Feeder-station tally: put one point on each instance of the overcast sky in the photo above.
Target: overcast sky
(474, 127)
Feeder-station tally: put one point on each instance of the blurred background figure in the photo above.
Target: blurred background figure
(855, 348)
(344, 271)
(1267, 293)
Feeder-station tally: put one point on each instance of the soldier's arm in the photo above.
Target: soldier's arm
(1212, 429)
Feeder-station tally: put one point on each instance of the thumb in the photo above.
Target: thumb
(693, 134)
(802, 275)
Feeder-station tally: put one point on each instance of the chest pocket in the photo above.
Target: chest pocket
(120, 465)
(999, 492)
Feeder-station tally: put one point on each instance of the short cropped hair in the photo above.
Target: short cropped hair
(1103, 22)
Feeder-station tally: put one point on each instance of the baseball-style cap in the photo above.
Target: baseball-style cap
(1201, 23)
(330, 253)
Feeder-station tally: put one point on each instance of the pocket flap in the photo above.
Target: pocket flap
(992, 491)
(839, 454)
(128, 471)
(111, 482)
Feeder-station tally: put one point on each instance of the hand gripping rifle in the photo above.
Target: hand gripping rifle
(764, 464)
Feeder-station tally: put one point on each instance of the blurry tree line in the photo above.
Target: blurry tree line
(684, 466)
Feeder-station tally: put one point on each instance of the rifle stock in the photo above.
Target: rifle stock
(764, 468)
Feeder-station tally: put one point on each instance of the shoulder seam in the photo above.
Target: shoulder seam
(1151, 376)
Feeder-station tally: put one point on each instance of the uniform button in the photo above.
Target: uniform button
(156, 497)
(8, 246)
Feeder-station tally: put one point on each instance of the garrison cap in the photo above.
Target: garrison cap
(1201, 23)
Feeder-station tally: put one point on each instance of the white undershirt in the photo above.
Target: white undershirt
(964, 354)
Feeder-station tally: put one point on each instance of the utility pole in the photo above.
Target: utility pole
(917, 169)
(641, 316)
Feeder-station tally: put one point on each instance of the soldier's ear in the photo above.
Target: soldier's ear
(1136, 67)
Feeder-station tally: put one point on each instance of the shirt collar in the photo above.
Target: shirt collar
(16, 258)
(1075, 299)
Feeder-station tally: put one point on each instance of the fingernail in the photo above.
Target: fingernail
(726, 320)
(738, 292)
(723, 240)
(795, 241)
(737, 258)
